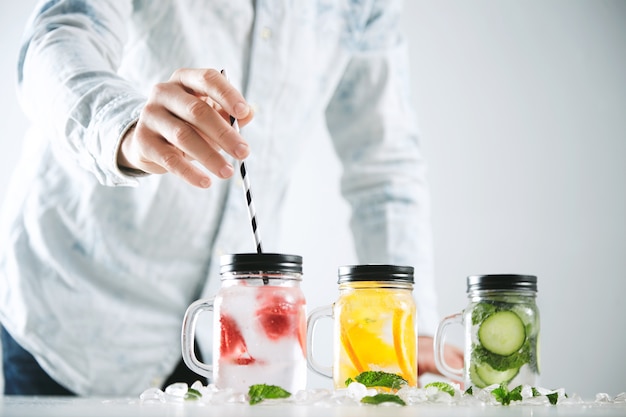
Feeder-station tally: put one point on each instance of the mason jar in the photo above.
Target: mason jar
(501, 332)
(375, 324)
(259, 324)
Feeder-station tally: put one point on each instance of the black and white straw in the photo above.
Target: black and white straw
(246, 188)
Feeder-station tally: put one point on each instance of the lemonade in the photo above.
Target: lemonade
(374, 324)
(377, 333)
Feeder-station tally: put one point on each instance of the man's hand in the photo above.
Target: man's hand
(426, 356)
(187, 119)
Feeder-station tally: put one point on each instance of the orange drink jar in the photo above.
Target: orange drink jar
(374, 325)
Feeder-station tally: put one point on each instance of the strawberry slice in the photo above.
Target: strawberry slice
(276, 322)
(232, 343)
(279, 314)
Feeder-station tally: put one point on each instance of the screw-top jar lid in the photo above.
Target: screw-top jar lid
(261, 262)
(501, 282)
(374, 272)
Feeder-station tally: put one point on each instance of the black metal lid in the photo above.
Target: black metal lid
(261, 262)
(375, 272)
(501, 282)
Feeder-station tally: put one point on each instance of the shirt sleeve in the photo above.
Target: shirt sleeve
(68, 85)
(372, 123)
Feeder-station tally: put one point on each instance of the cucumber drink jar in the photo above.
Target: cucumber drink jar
(501, 325)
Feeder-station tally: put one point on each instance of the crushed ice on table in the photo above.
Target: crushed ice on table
(354, 393)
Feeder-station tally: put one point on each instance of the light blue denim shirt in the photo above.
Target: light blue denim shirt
(96, 267)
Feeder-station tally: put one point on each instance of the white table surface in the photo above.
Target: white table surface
(113, 407)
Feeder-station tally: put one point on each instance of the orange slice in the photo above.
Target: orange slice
(366, 349)
(405, 345)
(349, 349)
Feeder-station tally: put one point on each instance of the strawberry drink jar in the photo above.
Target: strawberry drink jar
(259, 324)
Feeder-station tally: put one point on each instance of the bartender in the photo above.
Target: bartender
(125, 196)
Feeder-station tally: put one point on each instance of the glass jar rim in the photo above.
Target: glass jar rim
(503, 282)
(260, 263)
(375, 272)
(376, 285)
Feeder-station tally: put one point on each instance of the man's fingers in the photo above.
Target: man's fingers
(242, 121)
(204, 119)
(184, 120)
(212, 84)
(184, 137)
(146, 150)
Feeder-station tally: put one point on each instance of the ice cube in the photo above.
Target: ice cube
(152, 395)
(197, 386)
(356, 391)
(176, 392)
(311, 396)
(412, 395)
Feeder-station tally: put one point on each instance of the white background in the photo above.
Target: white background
(522, 109)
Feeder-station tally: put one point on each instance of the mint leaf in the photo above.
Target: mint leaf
(442, 386)
(553, 398)
(516, 393)
(379, 379)
(501, 394)
(499, 362)
(504, 396)
(193, 394)
(469, 391)
(481, 311)
(382, 398)
(260, 392)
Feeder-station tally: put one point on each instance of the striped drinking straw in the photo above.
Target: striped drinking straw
(246, 187)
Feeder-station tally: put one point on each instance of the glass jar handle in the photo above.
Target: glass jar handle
(439, 345)
(188, 336)
(318, 313)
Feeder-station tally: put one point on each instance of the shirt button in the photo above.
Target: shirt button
(266, 33)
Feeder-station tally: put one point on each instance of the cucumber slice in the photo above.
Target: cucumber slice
(475, 379)
(489, 376)
(502, 333)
